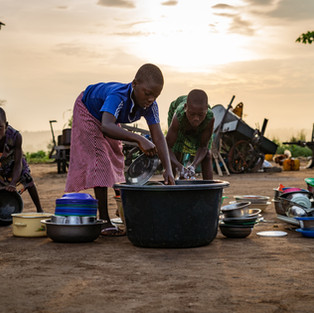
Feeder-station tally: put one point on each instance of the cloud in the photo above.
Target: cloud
(117, 3)
(288, 9)
(75, 49)
(222, 6)
(62, 7)
(132, 34)
(238, 25)
(260, 2)
(170, 2)
(241, 26)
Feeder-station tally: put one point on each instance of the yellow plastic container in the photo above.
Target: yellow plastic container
(269, 157)
(29, 224)
(291, 164)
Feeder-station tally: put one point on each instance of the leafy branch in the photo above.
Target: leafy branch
(306, 38)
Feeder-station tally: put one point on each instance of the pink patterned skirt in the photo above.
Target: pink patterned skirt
(95, 160)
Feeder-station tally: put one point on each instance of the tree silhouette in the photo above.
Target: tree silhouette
(306, 37)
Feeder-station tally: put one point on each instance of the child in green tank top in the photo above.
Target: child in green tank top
(190, 129)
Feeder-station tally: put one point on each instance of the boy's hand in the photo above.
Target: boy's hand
(147, 146)
(168, 178)
(187, 173)
(191, 171)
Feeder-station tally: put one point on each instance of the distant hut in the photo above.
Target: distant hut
(1, 24)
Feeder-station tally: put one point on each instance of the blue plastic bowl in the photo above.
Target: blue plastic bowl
(78, 204)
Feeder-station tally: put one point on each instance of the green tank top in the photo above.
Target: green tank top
(187, 141)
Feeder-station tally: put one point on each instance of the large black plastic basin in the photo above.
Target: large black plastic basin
(178, 216)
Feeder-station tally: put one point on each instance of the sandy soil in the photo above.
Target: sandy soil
(254, 274)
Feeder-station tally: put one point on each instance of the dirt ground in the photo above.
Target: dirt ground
(253, 274)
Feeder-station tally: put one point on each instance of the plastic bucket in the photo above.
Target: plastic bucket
(310, 184)
(179, 216)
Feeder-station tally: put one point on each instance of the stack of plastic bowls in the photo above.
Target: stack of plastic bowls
(77, 208)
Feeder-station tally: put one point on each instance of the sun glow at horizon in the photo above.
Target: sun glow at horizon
(188, 37)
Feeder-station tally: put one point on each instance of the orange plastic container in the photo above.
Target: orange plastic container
(291, 164)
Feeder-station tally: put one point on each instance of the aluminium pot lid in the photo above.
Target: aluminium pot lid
(141, 169)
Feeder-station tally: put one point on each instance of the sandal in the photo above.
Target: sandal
(112, 232)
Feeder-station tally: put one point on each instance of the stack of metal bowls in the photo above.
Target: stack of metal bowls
(238, 219)
(75, 219)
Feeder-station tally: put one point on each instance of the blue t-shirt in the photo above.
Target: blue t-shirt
(115, 98)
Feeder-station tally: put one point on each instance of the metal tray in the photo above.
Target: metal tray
(141, 169)
(290, 220)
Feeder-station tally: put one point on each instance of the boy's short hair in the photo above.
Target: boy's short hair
(148, 72)
(3, 116)
(197, 96)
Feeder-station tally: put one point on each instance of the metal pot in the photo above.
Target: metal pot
(29, 224)
(73, 232)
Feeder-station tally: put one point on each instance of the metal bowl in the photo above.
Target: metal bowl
(277, 193)
(243, 220)
(254, 199)
(235, 209)
(278, 207)
(73, 232)
(295, 210)
(58, 219)
(235, 231)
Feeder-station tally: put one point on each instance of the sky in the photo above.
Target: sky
(52, 50)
